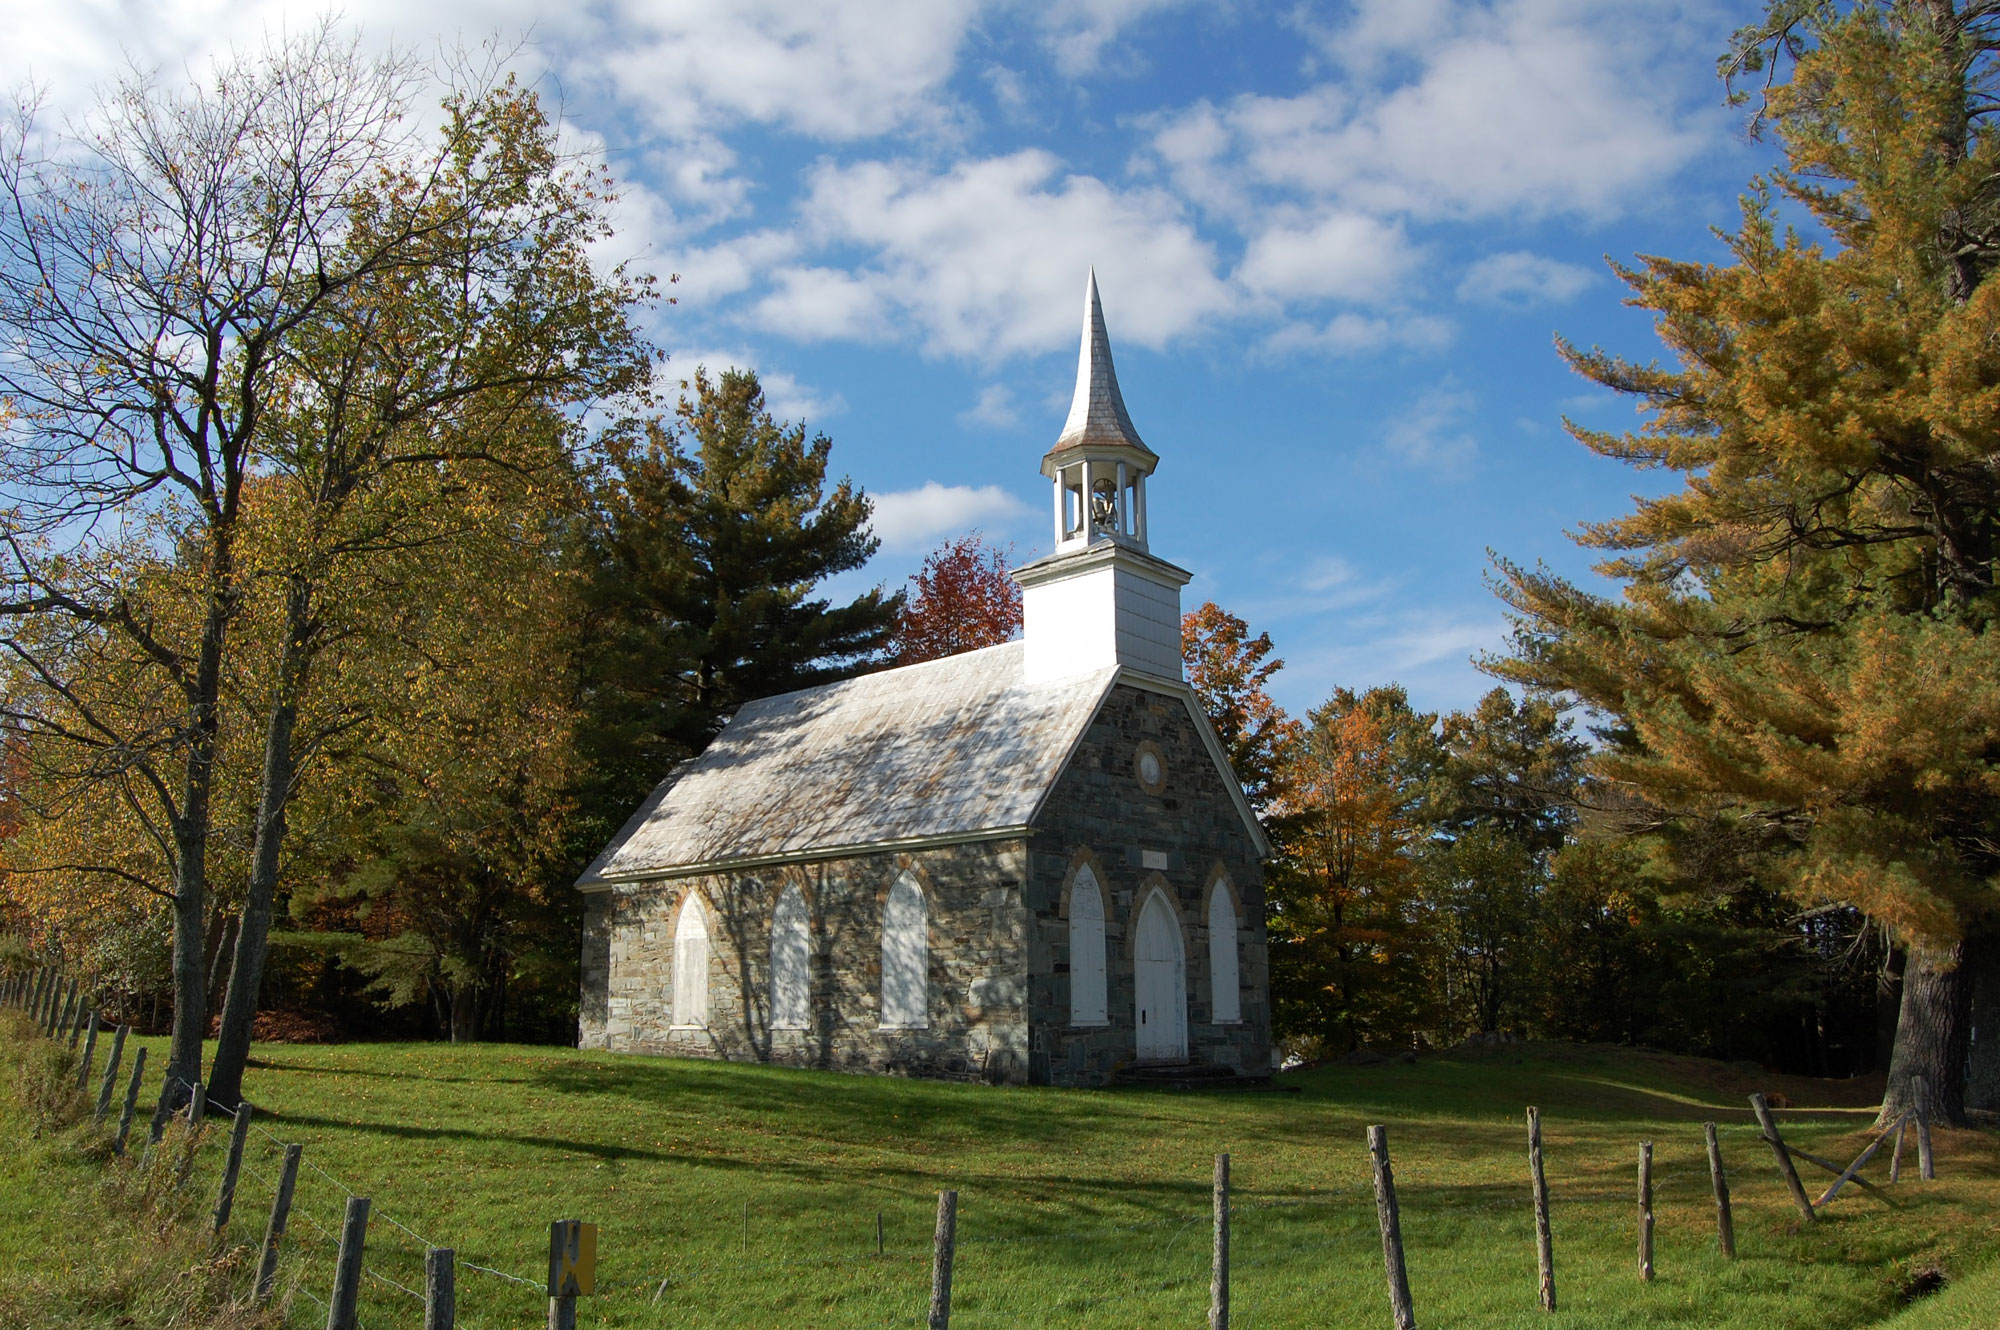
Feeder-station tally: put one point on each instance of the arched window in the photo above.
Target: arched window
(691, 964)
(791, 963)
(906, 957)
(1086, 950)
(1222, 971)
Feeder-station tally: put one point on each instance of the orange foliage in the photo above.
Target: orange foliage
(962, 599)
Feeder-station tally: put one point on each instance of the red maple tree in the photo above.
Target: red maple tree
(962, 599)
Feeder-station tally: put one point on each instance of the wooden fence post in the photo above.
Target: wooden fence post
(111, 1061)
(274, 1231)
(225, 1199)
(1925, 1170)
(131, 1100)
(943, 1244)
(341, 1310)
(197, 1111)
(76, 1021)
(59, 1012)
(1218, 1274)
(89, 1052)
(1725, 1226)
(878, 1232)
(572, 1269)
(1391, 1221)
(440, 1289)
(1545, 1256)
(1785, 1165)
(1646, 1211)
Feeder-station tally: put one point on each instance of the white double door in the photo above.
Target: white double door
(1160, 988)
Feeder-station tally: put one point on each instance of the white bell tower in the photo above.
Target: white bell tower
(1101, 599)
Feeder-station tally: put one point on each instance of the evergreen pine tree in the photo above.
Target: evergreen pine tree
(1803, 648)
(707, 537)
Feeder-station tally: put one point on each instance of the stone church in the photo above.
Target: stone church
(1029, 863)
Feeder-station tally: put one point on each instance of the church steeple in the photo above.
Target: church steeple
(1101, 599)
(1099, 464)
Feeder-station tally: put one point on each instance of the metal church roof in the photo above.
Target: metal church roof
(942, 750)
(1097, 415)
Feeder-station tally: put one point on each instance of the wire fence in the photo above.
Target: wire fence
(380, 1274)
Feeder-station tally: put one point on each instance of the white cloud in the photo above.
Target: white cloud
(914, 520)
(814, 304)
(1351, 334)
(1342, 255)
(1519, 278)
(1077, 31)
(995, 407)
(830, 71)
(1427, 650)
(684, 69)
(1530, 107)
(1326, 572)
(1433, 432)
(988, 259)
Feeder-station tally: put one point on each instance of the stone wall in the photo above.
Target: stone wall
(1100, 810)
(977, 939)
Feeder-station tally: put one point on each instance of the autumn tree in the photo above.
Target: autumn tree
(707, 537)
(1804, 645)
(1346, 942)
(400, 415)
(962, 599)
(1227, 669)
(165, 272)
(442, 811)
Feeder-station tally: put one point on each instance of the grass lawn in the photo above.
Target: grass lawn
(1089, 1208)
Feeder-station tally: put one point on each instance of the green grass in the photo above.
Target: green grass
(1085, 1208)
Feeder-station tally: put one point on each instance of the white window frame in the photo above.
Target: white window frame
(791, 942)
(1089, 989)
(1225, 955)
(691, 932)
(906, 955)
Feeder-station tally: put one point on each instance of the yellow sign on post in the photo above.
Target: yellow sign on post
(572, 1258)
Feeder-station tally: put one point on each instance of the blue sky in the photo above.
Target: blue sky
(1334, 242)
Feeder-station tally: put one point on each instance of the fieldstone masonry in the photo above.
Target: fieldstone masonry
(999, 933)
(1099, 806)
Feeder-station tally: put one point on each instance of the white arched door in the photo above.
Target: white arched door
(1160, 983)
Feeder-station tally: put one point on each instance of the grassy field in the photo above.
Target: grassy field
(1080, 1208)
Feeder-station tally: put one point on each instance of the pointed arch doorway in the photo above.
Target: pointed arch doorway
(1160, 983)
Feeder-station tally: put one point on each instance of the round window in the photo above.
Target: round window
(1149, 764)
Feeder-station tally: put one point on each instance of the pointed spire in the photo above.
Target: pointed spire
(1097, 413)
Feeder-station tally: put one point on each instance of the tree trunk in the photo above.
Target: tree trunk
(219, 927)
(1888, 1006)
(465, 1014)
(1933, 1033)
(246, 973)
(190, 831)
